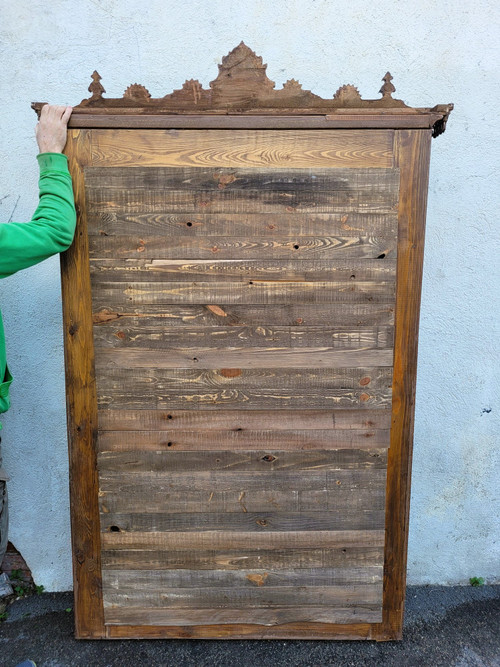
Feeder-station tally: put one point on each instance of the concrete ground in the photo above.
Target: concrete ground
(444, 626)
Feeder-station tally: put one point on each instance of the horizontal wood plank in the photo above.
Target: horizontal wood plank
(223, 481)
(163, 270)
(241, 178)
(239, 148)
(241, 358)
(250, 558)
(348, 245)
(241, 439)
(173, 461)
(260, 616)
(328, 315)
(124, 221)
(238, 421)
(144, 388)
(119, 497)
(152, 335)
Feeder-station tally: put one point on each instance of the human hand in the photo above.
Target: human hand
(50, 130)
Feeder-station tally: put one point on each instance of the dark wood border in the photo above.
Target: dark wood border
(81, 403)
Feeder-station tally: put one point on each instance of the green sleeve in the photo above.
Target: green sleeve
(52, 227)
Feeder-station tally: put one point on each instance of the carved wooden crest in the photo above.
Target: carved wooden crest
(243, 87)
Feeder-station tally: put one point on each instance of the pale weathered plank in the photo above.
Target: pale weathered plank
(241, 148)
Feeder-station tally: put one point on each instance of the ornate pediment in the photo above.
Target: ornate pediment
(243, 87)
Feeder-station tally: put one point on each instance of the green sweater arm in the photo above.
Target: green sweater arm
(50, 231)
(52, 227)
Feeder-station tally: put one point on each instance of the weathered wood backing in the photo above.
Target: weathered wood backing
(244, 374)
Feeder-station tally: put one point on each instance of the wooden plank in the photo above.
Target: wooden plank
(150, 334)
(122, 221)
(146, 581)
(162, 270)
(241, 178)
(263, 596)
(266, 148)
(272, 389)
(251, 292)
(217, 540)
(217, 480)
(328, 315)
(244, 439)
(234, 559)
(257, 617)
(238, 421)
(153, 495)
(82, 407)
(172, 461)
(348, 245)
(413, 154)
(241, 358)
(378, 200)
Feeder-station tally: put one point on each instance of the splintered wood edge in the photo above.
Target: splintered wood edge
(243, 96)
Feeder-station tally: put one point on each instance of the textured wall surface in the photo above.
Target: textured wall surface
(438, 53)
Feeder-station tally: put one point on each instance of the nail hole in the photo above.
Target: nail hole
(296, 246)
(114, 529)
(344, 551)
(238, 429)
(353, 276)
(250, 282)
(169, 444)
(169, 417)
(381, 256)
(189, 224)
(195, 359)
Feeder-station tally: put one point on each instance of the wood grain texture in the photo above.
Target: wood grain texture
(129, 496)
(250, 558)
(240, 420)
(163, 270)
(259, 617)
(413, 155)
(217, 540)
(150, 334)
(327, 315)
(268, 460)
(270, 389)
(241, 439)
(123, 221)
(82, 407)
(268, 148)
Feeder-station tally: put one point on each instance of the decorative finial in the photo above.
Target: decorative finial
(95, 87)
(387, 89)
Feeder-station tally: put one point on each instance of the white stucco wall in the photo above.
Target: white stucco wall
(438, 52)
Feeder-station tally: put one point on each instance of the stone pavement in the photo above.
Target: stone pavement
(444, 627)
